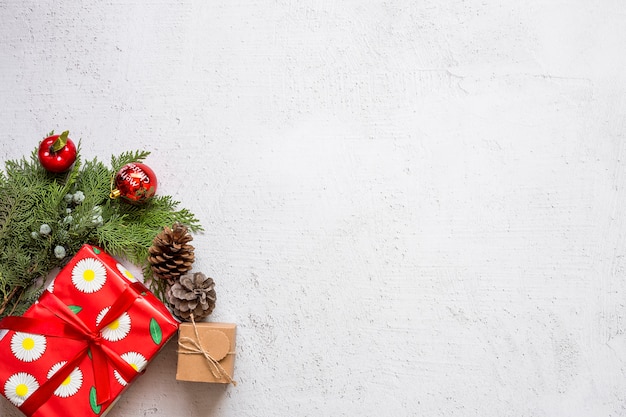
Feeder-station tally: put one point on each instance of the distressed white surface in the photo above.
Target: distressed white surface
(412, 207)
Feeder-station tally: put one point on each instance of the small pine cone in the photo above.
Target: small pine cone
(193, 293)
(171, 255)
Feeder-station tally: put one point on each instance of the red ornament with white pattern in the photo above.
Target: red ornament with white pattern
(134, 182)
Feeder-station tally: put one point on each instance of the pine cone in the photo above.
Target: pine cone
(193, 293)
(171, 255)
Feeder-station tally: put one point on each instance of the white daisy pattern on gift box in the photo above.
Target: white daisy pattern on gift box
(28, 347)
(117, 329)
(134, 359)
(89, 275)
(71, 384)
(126, 273)
(19, 387)
(50, 287)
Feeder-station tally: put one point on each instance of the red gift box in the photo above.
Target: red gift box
(90, 334)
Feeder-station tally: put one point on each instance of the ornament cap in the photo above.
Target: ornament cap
(115, 193)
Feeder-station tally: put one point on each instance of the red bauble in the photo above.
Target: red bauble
(135, 182)
(57, 153)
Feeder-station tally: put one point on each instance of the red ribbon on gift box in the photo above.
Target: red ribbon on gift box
(70, 326)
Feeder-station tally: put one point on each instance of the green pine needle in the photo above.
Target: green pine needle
(77, 209)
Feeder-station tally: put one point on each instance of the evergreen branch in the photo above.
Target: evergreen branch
(117, 162)
(76, 208)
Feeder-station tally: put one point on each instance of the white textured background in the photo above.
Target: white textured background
(413, 208)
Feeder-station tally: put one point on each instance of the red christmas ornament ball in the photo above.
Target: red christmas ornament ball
(57, 153)
(135, 182)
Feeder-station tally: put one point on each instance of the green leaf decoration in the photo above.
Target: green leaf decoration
(75, 309)
(155, 332)
(96, 250)
(94, 402)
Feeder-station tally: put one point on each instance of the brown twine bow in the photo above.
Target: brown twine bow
(191, 346)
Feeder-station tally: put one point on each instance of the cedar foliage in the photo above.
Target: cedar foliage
(31, 197)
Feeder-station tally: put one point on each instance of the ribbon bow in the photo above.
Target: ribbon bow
(70, 326)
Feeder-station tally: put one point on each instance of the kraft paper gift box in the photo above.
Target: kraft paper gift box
(206, 352)
(90, 334)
